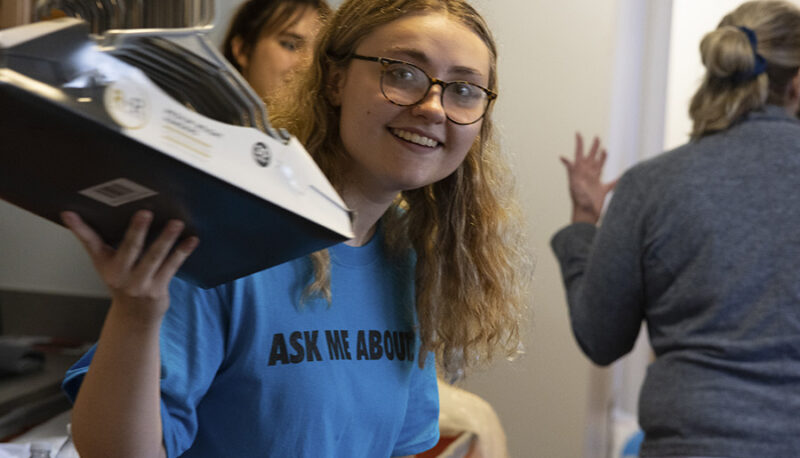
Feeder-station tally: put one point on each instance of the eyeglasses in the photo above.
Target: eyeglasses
(405, 84)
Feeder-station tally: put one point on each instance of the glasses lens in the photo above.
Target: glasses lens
(464, 102)
(404, 84)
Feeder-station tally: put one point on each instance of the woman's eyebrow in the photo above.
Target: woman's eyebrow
(293, 35)
(419, 56)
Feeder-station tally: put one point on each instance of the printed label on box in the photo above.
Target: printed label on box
(127, 104)
(117, 192)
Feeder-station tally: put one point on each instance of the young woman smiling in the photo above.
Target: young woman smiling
(332, 354)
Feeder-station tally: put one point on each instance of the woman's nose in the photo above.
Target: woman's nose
(431, 105)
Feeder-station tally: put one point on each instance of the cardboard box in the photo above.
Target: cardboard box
(82, 130)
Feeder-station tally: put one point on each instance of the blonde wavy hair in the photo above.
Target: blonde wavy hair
(726, 93)
(473, 268)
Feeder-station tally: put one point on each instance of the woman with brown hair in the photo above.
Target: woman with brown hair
(701, 243)
(333, 354)
(268, 41)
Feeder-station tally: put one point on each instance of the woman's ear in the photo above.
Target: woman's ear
(237, 49)
(793, 94)
(796, 84)
(336, 80)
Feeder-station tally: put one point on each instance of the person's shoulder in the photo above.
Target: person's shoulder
(772, 128)
(654, 170)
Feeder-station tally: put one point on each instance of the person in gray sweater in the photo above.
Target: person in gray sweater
(702, 243)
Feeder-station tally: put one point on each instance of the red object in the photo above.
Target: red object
(444, 442)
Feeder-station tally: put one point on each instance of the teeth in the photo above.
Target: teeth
(415, 138)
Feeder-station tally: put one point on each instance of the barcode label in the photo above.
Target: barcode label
(117, 192)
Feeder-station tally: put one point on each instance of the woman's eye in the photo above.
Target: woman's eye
(464, 94)
(402, 74)
(466, 91)
(290, 45)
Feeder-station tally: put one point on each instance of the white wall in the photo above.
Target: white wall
(637, 130)
(556, 67)
(37, 255)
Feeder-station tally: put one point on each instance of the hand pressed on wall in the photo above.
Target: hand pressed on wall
(586, 189)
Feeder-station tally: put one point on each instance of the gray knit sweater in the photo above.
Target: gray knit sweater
(703, 243)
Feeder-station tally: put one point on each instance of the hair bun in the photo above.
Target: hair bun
(726, 52)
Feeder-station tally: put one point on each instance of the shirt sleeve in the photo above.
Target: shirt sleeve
(420, 430)
(192, 342)
(193, 337)
(602, 274)
(74, 376)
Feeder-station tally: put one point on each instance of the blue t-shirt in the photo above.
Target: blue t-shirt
(247, 371)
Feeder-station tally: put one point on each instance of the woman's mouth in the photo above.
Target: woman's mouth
(414, 138)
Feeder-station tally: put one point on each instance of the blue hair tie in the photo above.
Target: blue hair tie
(760, 63)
